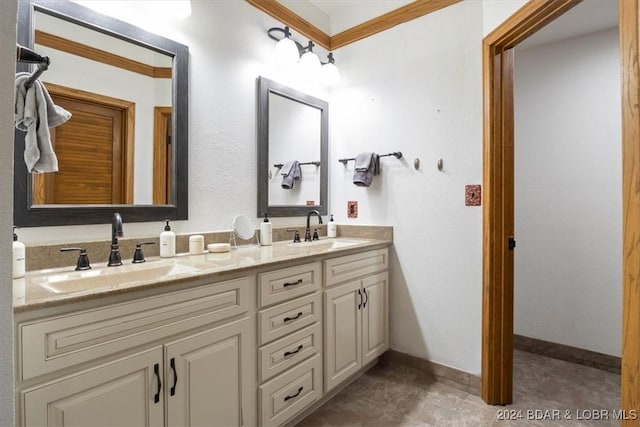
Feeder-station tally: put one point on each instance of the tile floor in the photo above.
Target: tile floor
(401, 396)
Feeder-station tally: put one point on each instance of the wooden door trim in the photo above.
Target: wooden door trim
(160, 155)
(128, 139)
(629, 11)
(497, 280)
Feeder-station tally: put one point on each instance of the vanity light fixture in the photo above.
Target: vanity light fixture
(289, 52)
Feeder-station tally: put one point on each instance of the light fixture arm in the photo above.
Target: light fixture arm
(286, 35)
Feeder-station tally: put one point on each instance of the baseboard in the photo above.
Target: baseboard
(580, 356)
(444, 374)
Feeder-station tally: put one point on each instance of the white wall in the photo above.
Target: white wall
(7, 71)
(228, 49)
(494, 12)
(414, 88)
(407, 90)
(568, 264)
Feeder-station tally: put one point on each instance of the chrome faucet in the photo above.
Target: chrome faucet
(307, 232)
(116, 231)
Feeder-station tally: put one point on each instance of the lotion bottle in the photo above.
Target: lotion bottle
(167, 242)
(18, 257)
(331, 228)
(266, 232)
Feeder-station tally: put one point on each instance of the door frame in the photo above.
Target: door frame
(498, 171)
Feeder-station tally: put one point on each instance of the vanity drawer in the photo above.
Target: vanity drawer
(287, 283)
(60, 342)
(280, 355)
(288, 394)
(338, 270)
(288, 317)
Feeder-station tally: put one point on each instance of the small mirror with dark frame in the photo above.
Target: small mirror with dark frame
(292, 126)
(156, 188)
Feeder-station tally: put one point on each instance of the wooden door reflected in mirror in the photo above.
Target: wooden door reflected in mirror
(94, 150)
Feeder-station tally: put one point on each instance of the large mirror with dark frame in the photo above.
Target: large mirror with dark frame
(125, 147)
(292, 151)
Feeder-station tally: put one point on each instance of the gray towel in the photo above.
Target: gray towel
(366, 167)
(290, 173)
(35, 113)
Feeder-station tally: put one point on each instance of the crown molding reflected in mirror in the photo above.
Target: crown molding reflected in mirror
(29, 214)
(291, 126)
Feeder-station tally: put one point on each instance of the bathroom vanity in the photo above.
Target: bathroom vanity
(257, 336)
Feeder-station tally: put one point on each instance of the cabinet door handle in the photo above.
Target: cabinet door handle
(156, 371)
(360, 299)
(364, 304)
(294, 395)
(172, 392)
(292, 283)
(289, 353)
(288, 319)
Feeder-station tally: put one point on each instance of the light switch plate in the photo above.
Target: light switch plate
(472, 195)
(352, 209)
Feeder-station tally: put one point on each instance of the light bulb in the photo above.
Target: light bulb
(310, 65)
(330, 74)
(286, 53)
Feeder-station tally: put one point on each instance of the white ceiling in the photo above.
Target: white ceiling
(587, 17)
(335, 16)
(345, 14)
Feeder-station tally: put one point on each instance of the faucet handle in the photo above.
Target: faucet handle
(83, 259)
(296, 237)
(315, 234)
(138, 255)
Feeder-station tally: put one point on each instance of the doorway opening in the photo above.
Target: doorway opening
(498, 213)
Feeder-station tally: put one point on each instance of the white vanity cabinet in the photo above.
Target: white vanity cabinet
(290, 339)
(177, 359)
(356, 318)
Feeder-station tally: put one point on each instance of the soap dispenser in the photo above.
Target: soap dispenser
(266, 232)
(331, 228)
(167, 242)
(18, 257)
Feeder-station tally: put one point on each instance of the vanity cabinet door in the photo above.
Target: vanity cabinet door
(125, 392)
(207, 377)
(343, 329)
(375, 316)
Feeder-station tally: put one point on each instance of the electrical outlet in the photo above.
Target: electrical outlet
(472, 195)
(352, 209)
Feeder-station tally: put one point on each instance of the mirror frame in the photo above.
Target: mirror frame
(266, 87)
(27, 215)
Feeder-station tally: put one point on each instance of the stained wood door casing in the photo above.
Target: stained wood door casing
(497, 329)
(94, 150)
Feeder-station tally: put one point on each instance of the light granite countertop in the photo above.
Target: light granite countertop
(58, 286)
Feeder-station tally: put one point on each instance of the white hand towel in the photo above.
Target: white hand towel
(35, 113)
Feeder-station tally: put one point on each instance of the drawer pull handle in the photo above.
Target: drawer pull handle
(289, 319)
(360, 299)
(294, 395)
(175, 376)
(289, 353)
(364, 304)
(156, 371)
(292, 283)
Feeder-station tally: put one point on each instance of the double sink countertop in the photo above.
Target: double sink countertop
(58, 286)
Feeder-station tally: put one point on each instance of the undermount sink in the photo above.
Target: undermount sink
(109, 277)
(325, 244)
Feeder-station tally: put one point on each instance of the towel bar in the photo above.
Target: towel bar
(316, 163)
(396, 154)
